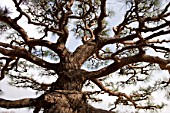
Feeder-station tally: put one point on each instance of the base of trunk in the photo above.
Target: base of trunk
(65, 101)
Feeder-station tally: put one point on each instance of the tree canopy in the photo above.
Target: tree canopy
(114, 56)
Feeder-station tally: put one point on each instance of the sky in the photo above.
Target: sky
(13, 93)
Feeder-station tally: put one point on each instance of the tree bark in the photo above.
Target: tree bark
(66, 96)
(64, 101)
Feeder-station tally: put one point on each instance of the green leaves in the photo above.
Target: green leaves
(51, 55)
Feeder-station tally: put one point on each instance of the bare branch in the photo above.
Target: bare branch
(120, 96)
(27, 102)
(86, 50)
(15, 26)
(125, 61)
(113, 93)
(60, 49)
(23, 53)
(101, 17)
(8, 60)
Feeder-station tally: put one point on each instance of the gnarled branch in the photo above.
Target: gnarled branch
(128, 60)
(27, 102)
(23, 53)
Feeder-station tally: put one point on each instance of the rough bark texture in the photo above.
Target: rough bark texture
(69, 102)
(128, 48)
(65, 96)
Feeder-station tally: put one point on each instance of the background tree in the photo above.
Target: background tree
(131, 50)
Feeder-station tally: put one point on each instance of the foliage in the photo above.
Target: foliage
(115, 58)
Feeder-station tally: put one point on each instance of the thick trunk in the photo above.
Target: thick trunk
(63, 102)
(66, 96)
(69, 102)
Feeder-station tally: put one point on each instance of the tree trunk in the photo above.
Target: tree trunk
(66, 96)
(69, 102)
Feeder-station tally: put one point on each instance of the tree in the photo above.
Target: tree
(132, 50)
